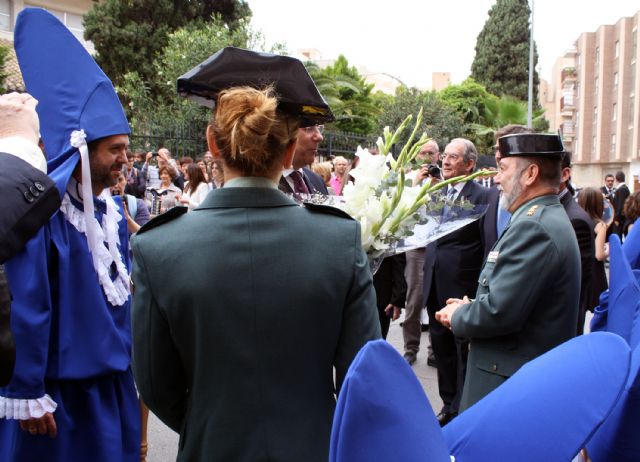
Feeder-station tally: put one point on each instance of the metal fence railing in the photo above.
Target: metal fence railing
(189, 140)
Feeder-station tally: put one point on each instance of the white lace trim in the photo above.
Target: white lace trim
(117, 291)
(23, 409)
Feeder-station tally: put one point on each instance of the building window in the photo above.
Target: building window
(597, 85)
(613, 143)
(597, 55)
(615, 81)
(632, 108)
(634, 45)
(617, 48)
(5, 15)
(615, 112)
(71, 20)
(595, 116)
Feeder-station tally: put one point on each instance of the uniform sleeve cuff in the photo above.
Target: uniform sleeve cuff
(23, 409)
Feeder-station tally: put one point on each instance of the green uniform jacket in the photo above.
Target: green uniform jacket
(242, 308)
(527, 298)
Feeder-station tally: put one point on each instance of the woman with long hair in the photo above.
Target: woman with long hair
(196, 187)
(592, 201)
(217, 174)
(241, 374)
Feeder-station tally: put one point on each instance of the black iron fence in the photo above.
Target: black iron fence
(189, 140)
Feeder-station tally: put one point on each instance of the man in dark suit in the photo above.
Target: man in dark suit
(608, 189)
(583, 227)
(300, 179)
(451, 269)
(619, 198)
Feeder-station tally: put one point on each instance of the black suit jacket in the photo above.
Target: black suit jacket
(608, 194)
(454, 261)
(619, 198)
(29, 198)
(488, 227)
(583, 227)
(311, 179)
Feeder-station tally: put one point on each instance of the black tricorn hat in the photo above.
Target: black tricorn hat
(233, 67)
(531, 145)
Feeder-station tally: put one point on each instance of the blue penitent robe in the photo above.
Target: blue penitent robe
(73, 345)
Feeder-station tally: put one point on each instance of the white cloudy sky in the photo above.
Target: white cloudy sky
(410, 39)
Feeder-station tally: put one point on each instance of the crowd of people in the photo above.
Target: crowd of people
(244, 349)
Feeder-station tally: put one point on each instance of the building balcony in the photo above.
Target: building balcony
(568, 73)
(567, 130)
(567, 104)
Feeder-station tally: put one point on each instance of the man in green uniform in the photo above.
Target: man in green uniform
(529, 287)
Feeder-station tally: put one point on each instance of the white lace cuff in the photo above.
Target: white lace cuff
(22, 409)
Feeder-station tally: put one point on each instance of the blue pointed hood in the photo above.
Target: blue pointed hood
(72, 91)
(543, 412)
(631, 247)
(382, 412)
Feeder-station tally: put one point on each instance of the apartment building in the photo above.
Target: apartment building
(595, 104)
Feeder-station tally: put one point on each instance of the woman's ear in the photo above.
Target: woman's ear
(211, 142)
(289, 153)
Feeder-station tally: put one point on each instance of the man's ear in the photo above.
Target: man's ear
(289, 153)
(534, 175)
(211, 142)
(566, 174)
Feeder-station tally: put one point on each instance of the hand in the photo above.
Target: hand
(18, 116)
(445, 314)
(41, 426)
(148, 157)
(396, 311)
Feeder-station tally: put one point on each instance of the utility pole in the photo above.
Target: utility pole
(531, 70)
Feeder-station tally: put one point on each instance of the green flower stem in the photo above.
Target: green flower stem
(396, 200)
(402, 158)
(426, 189)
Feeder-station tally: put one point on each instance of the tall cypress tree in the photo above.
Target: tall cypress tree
(501, 63)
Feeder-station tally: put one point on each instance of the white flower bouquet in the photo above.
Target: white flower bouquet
(394, 215)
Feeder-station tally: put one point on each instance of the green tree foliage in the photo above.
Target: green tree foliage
(441, 121)
(157, 108)
(4, 56)
(500, 112)
(128, 35)
(348, 95)
(469, 99)
(501, 62)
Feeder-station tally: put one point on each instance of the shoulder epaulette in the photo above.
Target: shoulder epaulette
(326, 209)
(166, 217)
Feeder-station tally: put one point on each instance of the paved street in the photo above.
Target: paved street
(163, 442)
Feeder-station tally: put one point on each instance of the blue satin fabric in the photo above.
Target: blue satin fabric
(382, 412)
(549, 408)
(67, 332)
(619, 312)
(98, 420)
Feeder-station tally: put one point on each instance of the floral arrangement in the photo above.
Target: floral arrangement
(385, 203)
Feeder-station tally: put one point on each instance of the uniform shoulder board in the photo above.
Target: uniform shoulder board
(531, 212)
(166, 217)
(326, 209)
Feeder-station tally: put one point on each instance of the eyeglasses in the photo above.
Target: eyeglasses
(451, 156)
(313, 128)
